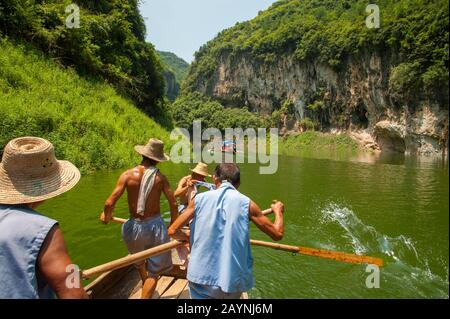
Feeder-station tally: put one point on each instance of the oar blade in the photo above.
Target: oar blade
(340, 256)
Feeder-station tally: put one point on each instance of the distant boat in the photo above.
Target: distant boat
(227, 147)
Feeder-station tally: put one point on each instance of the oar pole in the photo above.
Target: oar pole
(123, 220)
(118, 220)
(131, 259)
(328, 254)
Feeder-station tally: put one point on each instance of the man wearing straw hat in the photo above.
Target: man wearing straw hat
(145, 229)
(33, 255)
(186, 191)
(188, 185)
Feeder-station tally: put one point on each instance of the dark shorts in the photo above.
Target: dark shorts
(142, 235)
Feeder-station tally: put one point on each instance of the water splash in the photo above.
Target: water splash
(403, 262)
(366, 239)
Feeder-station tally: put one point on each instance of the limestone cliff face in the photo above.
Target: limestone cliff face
(356, 98)
(172, 87)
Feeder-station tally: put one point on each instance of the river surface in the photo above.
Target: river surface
(395, 208)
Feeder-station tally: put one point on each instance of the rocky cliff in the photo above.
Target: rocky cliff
(358, 99)
(377, 93)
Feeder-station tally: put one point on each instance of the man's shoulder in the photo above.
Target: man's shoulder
(210, 193)
(130, 174)
(238, 195)
(131, 171)
(26, 215)
(160, 177)
(184, 179)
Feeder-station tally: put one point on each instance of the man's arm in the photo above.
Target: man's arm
(110, 203)
(52, 262)
(274, 230)
(171, 199)
(184, 219)
(182, 187)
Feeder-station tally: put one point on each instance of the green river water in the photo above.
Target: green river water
(395, 208)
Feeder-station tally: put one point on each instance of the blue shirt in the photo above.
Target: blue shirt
(220, 241)
(22, 233)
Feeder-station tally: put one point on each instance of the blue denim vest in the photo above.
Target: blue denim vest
(220, 241)
(22, 233)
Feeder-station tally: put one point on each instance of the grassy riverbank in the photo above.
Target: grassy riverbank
(87, 121)
(316, 141)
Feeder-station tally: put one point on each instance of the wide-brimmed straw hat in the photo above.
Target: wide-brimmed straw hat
(153, 150)
(201, 169)
(30, 172)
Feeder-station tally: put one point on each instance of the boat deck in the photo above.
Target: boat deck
(126, 283)
(167, 288)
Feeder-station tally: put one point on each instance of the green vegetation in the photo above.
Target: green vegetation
(174, 72)
(195, 106)
(307, 124)
(316, 141)
(175, 64)
(110, 43)
(329, 31)
(86, 120)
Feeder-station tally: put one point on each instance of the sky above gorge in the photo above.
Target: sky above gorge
(182, 26)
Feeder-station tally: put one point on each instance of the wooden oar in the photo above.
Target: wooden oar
(122, 220)
(328, 254)
(119, 220)
(131, 259)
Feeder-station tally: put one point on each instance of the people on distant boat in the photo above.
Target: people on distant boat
(188, 186)
(221, 264)
(33, 254)
(145, 229)
(229, 147)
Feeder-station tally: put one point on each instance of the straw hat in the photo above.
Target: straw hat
(153, 150)
(30, 172)
(201, 169)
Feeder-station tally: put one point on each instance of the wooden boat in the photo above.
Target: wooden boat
(125, 283)
(120, 280)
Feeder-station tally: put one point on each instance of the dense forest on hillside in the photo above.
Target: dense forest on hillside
(88, 122)
(110, 43)
(197, 107)
(176, 64)
(331, 30)
(175, 71)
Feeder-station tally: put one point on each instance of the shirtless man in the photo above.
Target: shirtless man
(145, 228)
(187, 188)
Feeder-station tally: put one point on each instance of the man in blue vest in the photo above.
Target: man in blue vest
(221, 264)
(34, 262)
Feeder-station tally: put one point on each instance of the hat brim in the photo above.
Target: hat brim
(25, 190)
(141, 150)
(200, 173)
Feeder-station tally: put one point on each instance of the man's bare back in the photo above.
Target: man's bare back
(152, 206)
(131, 182)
